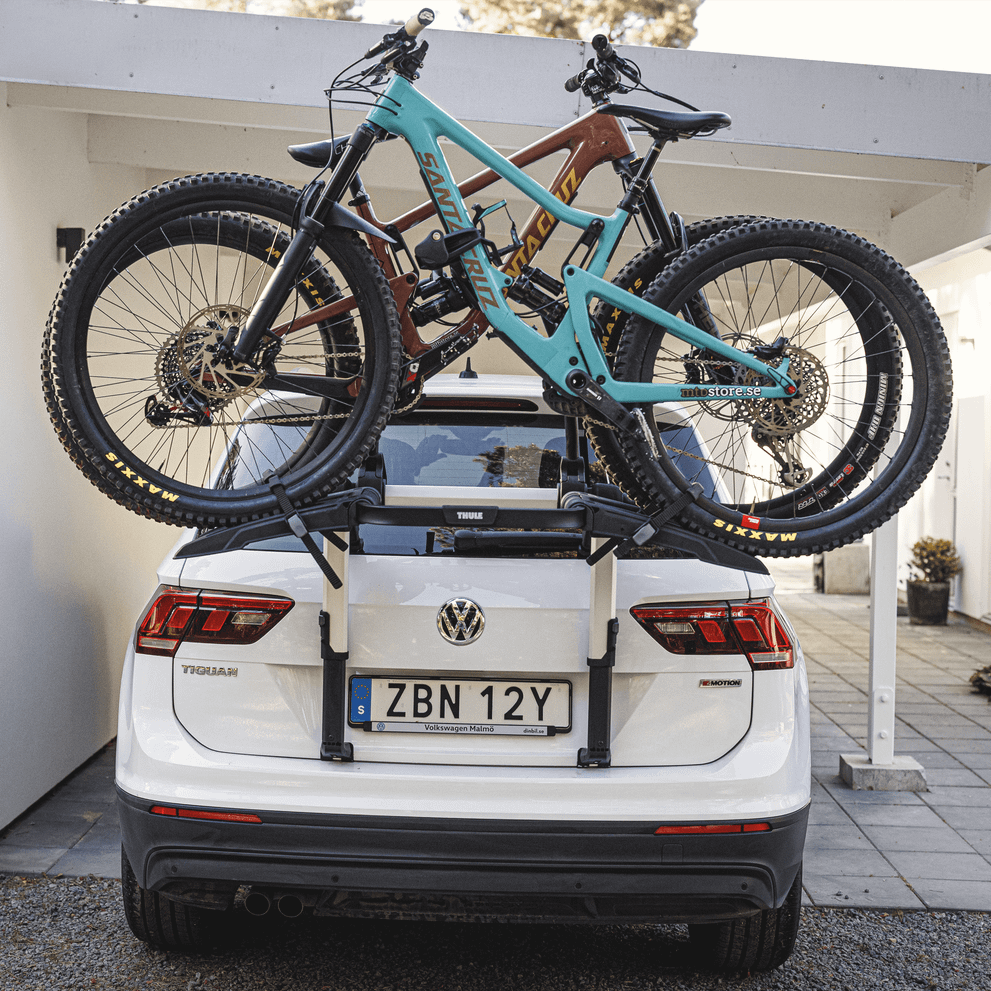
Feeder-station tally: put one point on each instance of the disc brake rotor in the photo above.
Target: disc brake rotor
(188, 369)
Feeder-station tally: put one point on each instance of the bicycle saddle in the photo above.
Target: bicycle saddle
(670, 125)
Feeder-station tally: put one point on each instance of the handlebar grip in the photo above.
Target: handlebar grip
(574, 82)
(602, 47)
(418, 22)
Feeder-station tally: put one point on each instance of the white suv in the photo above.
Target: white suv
(467, 759)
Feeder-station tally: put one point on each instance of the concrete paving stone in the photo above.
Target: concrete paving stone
(950, 895)
(959, 776)
(976, 762)
(921, 744)
(964, 731)
(963, 817)
(40, 831)
(106, 832)
(848, 863)
(837, 836)
(965, 746)
(911, 839)
(935, 709)
(29, 860)
(821, 814)
(80, 862)
(847, 796)
(860, 892)
(939, 759)
(978, 839)
(944, 720)
(955, 795)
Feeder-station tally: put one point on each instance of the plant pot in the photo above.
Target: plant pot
(928, 603)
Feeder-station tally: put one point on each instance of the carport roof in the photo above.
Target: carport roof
(897, 154)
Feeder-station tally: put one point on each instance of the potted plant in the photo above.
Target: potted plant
(934, 562)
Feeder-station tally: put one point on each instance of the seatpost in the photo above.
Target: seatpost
(636, 189)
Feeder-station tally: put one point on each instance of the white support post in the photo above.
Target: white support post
(880, 769)
(883, 644)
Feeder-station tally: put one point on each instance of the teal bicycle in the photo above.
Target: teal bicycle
(808, 365)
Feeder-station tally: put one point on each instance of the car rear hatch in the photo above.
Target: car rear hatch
(462, 656)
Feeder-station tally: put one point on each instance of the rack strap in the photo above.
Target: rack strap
(298, 527)
(622, 544)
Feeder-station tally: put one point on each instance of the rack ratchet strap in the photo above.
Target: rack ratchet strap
(650, 528)
(299, 528)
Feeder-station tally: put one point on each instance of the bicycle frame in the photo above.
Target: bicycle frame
(590, 141)
(572, 347)
(401, 109)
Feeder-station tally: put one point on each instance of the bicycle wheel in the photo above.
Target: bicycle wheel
(143, 404)
(635, 277)
(865, 349)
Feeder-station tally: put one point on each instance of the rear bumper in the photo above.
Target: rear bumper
(466, 868)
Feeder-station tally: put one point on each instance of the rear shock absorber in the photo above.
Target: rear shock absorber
(538, 290)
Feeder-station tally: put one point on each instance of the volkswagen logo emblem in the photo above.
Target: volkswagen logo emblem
(460, 621)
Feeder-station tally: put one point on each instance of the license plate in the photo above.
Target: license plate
(494, 707)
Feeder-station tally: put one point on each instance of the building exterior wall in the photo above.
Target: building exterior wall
(75, 568)
(955, 500)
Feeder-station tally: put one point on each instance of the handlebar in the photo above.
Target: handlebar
(406, 34)
(602, 75)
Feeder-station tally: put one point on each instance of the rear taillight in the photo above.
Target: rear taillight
(176, 616)
(751, 629)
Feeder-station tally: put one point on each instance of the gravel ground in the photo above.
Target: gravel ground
(70, 933)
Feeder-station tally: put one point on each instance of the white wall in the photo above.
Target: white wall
(955, 500)
(75, 569)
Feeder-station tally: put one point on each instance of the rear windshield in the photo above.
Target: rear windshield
(455, 449)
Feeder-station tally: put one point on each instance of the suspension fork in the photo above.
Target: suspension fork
(301, 248)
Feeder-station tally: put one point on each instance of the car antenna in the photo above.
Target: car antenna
(468, 373)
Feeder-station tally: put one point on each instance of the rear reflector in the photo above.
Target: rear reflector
(751, 629)
(712, 828)
(176, 616)
(165, 810)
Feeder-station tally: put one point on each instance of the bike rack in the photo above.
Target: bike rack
(608, 528)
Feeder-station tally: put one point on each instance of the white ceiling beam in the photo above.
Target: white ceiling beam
(289, 61)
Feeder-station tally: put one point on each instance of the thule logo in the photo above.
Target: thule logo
(463, 514)
(721, 683)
